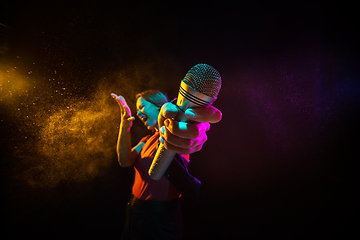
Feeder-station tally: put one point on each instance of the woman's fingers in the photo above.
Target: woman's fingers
(187, 130)
(182, 137)
(210, 114)
(122, 103)
(178, 145)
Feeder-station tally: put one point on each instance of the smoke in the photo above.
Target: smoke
(67, 143)
(63, 131)
(75, 143)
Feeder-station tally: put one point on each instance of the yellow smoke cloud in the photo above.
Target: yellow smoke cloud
(63, 136)
(12, 84)
(75, 143)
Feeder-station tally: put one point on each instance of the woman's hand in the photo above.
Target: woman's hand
(126, 118)
(186, 137)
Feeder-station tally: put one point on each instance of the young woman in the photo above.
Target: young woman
(153, 211)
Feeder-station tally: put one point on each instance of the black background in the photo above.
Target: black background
(279, 164)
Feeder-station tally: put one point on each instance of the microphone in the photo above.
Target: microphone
(199, 88)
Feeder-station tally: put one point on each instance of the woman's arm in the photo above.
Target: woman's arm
(126, 155)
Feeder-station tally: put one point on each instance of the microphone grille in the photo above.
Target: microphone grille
(205, 79)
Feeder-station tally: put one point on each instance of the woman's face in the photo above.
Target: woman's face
(148, 113)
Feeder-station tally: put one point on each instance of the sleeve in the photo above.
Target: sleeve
(177, 173)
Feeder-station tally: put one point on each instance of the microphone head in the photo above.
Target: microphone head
(204, 79)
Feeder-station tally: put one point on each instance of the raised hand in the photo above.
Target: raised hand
(126, 117)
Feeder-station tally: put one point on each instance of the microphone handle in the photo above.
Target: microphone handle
(162, 160)
(187, 97)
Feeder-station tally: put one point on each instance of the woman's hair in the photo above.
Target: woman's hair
(154, 96)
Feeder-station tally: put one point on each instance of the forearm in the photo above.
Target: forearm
(125, 155)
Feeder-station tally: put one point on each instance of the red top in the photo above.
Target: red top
(145, 188)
